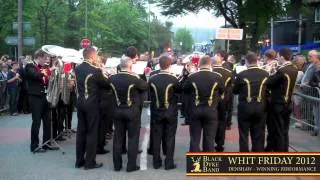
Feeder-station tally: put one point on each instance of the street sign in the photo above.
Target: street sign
(26, 25)
(13, 41)
(85, 43)
(229, 34)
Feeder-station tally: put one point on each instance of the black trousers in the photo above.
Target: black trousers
(222, 122)
(280, 121)
(164, 132)
(251, 119)
(151, 139)
(87, 132)
(103, 116)
(13, 99)
(270, 131)
(204, 120)
(40, 111)
(59, 116)
(229, 110)
(70, 108)
(126, 120)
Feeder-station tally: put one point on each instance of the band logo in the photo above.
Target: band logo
(253, 164)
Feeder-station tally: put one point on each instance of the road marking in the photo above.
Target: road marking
(144, 148)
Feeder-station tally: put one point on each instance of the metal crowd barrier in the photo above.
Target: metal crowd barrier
(306, 109)
(3, 96)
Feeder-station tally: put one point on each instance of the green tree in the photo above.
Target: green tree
(112, 25)
(250, 15)
(183, 40)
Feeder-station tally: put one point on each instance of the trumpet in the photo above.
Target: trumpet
(271, 67)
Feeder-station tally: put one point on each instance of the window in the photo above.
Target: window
(317, 14)
(316, 37)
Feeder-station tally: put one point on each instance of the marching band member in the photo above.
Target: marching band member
(205, 88)
(90, 80)
(270, 66)
(37, 81)
(227, 64)
(281, 85)
(106, 104)
(164, 87)
(127, 88)
(251, 87)
(223, 104)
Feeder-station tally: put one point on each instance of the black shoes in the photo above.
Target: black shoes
(219, 148)
(173, 166)
(97, 165)
(103, 151)
(79, 165)
(133, 169)
(157, 165)
(118, 169)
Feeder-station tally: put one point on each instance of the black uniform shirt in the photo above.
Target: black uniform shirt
(164, 87)
(226, 79)
(127, 88)
(205, 87)
(251, 84)
(282, 83)
(35, 84)
(90, 81)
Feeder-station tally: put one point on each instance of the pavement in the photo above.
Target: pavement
(18, 163)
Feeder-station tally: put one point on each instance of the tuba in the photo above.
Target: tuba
(53, 87)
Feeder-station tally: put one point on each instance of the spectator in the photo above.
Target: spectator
(9, 64)
(13, 88)
(4, 72)
(301, 63)
(313, 59)
(315, 82)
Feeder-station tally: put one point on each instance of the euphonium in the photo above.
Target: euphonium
(53, 88)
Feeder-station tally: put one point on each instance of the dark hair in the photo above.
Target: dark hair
(39, 53)
(286, 53)
(14, 62)
(165, 62)
(131, 52)
(88, 51)
(252, 58)
(205, 60)
(271, 54)
(223, 54)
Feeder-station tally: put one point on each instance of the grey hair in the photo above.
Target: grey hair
(125, 62)
(302, 57)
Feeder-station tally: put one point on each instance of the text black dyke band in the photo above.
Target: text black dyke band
(253, 164)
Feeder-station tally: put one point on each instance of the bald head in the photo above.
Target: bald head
(205, 61)
(314, 56)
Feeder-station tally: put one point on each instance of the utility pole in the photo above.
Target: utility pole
(149, 32)
(300, 33)
(20, 28)
(86, 19)
(271, 22)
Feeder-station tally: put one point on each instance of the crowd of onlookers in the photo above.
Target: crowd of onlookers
(13, 89)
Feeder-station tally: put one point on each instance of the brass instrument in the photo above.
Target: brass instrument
(53, 88)
(271, 67)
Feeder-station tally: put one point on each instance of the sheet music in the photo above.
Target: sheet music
(139, 67)
(240, 69)
(176, 69)
(112, 62)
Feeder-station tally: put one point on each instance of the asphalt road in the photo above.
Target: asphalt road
(17, 162)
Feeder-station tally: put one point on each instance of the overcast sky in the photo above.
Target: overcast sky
(204, 19)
